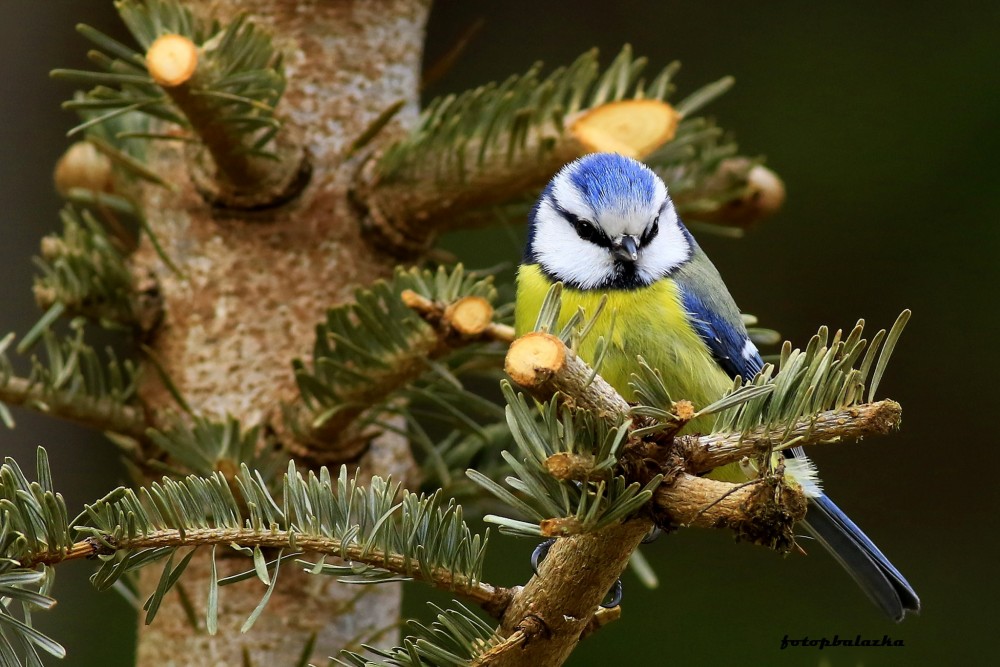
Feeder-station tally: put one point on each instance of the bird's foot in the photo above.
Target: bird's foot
(652, 535)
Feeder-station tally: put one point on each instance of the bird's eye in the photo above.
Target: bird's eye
(585, 230)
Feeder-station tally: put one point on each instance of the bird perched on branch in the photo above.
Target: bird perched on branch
(606, 227)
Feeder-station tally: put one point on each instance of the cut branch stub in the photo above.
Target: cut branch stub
(576, 467)
(236, 175)
(172, 60)
(543, 365)
(631, 127)
(469, 316)
(83, 166)
(535, 358)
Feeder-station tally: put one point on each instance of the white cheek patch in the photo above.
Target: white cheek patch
(667, 251)
(564, 255)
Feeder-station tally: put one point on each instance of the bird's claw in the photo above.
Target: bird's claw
(539, 554)
(652, 535)
(614, 596)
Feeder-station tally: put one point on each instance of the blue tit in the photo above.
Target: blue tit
(606, 227)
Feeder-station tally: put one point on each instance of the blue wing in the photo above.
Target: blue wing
(726, 339)
(715, 317)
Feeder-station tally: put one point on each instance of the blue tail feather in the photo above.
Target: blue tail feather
(866, 564)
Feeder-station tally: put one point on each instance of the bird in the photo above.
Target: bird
(606, 228)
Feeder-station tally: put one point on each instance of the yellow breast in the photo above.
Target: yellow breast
(650, 322)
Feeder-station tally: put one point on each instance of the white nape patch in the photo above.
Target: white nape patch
(750, 350)
(803, 471)
(564, 255)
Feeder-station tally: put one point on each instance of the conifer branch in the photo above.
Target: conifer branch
(99, 414)
(706, 452)
(544, 366)
(739, 193)
(371, 355)
(85, 270)
(221, 84)
(755, 423)
(470, 317)
(383, 534)
(33, 519)
(710, 183)
(74, 383)
(456, 639)
(104, 544)
(497, 143)
(564, 601)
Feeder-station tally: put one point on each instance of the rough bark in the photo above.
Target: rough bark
(556, 606)
(253, 287)
(302, 604)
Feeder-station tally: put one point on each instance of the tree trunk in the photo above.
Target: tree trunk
(251, 290)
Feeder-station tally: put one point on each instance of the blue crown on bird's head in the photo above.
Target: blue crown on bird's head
(612, 182)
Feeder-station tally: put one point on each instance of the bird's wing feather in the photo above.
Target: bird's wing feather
(730, 345)
(715, 317)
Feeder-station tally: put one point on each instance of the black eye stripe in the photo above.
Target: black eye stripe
(584, 229)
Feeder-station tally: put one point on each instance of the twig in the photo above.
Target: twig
(101, 414)
(707, 452)
(469, 319)
(466, 321)
(763, 511)
(739, 194)
(490, 597)
(543, 365)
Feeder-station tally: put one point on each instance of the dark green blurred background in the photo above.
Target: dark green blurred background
(883, 123)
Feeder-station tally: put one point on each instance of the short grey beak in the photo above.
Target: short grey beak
(626, 248)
